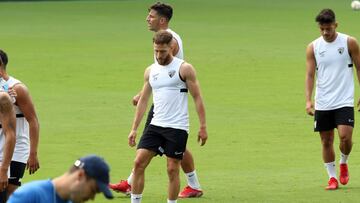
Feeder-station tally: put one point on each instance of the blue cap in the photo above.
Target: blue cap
(96, 167)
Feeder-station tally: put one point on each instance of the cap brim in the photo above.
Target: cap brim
(105, 190)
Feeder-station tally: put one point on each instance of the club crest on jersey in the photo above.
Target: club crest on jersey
(171, 73)
(341, 50)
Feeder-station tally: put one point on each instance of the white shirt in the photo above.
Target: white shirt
(22, 145)
(335, 82)
(169, 96)
(180, 53)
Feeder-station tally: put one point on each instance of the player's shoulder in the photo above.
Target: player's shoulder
(31, 192)
(186, 65)
(352, 39)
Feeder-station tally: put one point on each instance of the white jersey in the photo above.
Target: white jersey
(169, 96)
(22, 146)
(334, 69)
(180, 53)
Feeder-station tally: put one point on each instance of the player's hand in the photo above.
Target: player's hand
(132, 137)
(309, 108)
(358, 105)
(202, 136)
(135, 99)
(12, 92)
(32, 164)
(3, 180)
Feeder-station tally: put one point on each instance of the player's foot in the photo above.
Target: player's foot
(332, 184)
(123, 187)
(344, 174)
(190, 192)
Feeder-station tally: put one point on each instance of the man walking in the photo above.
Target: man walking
(332, 56)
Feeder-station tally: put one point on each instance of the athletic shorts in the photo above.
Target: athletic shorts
(149, 118)
(328, 120)
(17, 170)
(168, 141)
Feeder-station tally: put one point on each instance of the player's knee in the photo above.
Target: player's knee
(327, 143)
(139, 165)
(345, 139)
(173, 170)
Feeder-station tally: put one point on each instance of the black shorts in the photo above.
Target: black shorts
(328, 120)
(149, 118)
(168, 141)
(17, 170)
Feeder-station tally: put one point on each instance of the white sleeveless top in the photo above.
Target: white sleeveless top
(169, 96)
(334, 70)
(22, 146)
(180, 53)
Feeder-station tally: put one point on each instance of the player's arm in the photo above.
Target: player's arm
(140, 108)
(24, 102)
(188, 73)
(354, 52)
(8, 122)
(174, 46)
(309, 78)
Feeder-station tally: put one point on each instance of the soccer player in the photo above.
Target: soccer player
(8, 137)
(27, 127)
(158, 19)
(331, 57)
(169, 80)
(88, 176)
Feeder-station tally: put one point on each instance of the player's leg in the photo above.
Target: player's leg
(325, 124)
(142, 160)
(124, 186)
(17, 170)
(345, 123)
(328, 154)
(345, 134)
(173, 167)
(193, 188)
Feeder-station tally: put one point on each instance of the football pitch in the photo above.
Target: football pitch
(83, 61)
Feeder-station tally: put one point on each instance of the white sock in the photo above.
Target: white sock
(171, 201)
(129, 180)
(136, 198)
(343, 158)
(330, 167)
(193, 180)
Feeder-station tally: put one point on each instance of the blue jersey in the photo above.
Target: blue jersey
(41, 191)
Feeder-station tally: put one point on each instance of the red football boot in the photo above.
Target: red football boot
(332, 184)
(190, 192)
(123, 187)
(344, 174)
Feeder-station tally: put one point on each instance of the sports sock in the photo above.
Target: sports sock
(343, 158)
(171, 201)
(193, 180)
(330, 167)
(129, 179)
(136, 198)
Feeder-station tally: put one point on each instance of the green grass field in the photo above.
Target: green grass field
(84, 60)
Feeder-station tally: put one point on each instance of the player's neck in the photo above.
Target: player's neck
(165, 27)
(61, 185)
(332, 39)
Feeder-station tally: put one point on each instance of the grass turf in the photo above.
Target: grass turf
(84, 60)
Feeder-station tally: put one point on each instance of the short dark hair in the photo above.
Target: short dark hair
(3, 58)
(162, 37)
(164, 10)
(325, 16)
